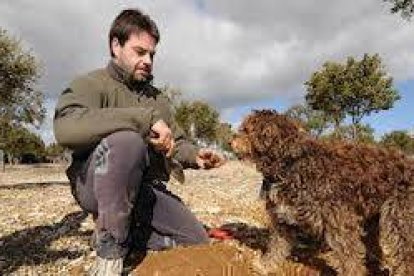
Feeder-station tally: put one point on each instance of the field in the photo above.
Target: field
(44, 232)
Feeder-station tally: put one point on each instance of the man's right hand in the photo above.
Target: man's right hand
(161, 138)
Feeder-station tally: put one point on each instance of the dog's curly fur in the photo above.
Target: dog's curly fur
(350, 198)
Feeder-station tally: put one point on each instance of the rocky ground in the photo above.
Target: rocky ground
(44, 232)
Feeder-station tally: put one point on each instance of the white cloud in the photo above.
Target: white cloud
(230, 53)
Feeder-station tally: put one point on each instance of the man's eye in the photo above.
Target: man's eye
(141, 52)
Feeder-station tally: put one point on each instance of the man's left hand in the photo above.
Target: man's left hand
(208, 159)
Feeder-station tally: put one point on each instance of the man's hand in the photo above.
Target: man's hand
(161, 138)
(207, 159)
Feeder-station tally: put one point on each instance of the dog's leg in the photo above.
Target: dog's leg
(397, 233)
(343, 235)
(280, 247)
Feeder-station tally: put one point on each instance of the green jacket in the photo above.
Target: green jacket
(105, 101)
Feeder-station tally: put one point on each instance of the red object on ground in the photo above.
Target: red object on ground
(219, 234)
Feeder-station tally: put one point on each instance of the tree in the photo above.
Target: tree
(20, 102)
(198, 119)
(54, 149)
(399, 139)
(55, 153)
(405, 7)
(323, 92)
(314, 121)
(358, 133)
(23, 145)
(224, 134)
(356, 89)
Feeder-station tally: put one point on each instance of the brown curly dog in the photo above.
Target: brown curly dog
(354, 202)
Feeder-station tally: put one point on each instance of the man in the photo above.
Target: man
(124, 137)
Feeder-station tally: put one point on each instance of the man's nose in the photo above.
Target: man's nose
(147, 59)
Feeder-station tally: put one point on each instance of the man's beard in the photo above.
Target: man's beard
(132, 79)
(140, 77)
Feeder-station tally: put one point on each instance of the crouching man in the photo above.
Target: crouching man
(123, 136)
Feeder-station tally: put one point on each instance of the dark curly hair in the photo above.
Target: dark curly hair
(339, 194)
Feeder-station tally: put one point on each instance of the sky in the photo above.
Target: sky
(237, 55)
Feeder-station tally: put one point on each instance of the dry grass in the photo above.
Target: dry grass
(44, 232)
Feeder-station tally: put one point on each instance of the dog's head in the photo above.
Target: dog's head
(266, 133)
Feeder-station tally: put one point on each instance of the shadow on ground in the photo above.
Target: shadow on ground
(31, 246)
(31, 185)
(251, 236)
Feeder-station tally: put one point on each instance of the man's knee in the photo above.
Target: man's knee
(123, 150)
(126, 140)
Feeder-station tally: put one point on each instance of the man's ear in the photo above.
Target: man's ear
(116, 46)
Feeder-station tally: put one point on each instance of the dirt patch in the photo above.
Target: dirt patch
(207, 260)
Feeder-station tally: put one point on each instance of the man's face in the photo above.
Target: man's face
(136, 56)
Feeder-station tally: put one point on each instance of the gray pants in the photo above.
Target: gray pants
(111, 188)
